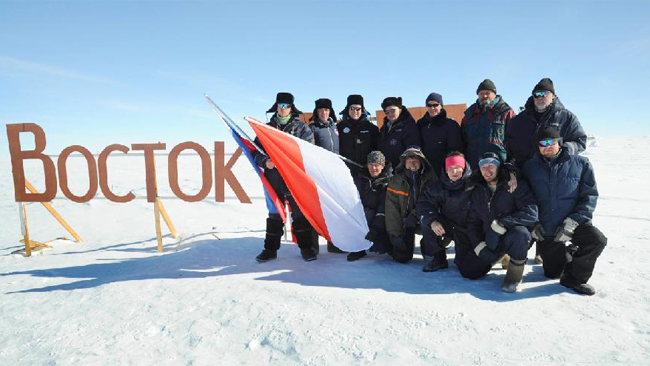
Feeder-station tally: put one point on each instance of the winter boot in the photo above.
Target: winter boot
(568, 281)
(538, 257)
(356, 256)
(267, 255)
(435, 263)
(331, 248)
(513, 276)
(305, 238)
(505, 260)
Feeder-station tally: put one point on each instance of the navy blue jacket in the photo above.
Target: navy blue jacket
(511, 209)
(483, 129)
(446, 201)
(401, 134)
(565, 186)
(373, 196)
(326, 134)
(357, 138)
(440, 136)
(521, 132)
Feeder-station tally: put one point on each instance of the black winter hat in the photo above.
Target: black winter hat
(284, 97)
(355, 99)
(545, 84)
(486, 84)
(323, 103)
(396, 101)
(547, 133)
(435, 97)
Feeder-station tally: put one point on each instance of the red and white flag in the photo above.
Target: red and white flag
(320, 183)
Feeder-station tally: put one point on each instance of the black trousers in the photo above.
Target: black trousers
(578, 259)
(432, 244)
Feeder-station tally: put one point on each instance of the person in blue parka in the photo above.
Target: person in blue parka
(565, 187)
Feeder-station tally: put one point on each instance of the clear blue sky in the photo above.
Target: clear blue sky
(100, 72)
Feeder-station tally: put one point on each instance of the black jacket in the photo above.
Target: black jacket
(357, 138)
(440, 136)
(446, 201)
(521, 132)
(401, 134)
(373, 195)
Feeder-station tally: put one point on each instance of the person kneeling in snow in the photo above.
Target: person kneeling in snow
(499, 223)
(371, 183)
(444, 207)
(286, 118)
(566, 189)
(412, 176)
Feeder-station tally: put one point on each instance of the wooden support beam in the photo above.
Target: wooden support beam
(56, 215)
(168, 221)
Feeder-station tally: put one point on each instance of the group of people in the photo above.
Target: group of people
(494, 185)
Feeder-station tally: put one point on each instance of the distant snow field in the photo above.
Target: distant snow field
(113, 299)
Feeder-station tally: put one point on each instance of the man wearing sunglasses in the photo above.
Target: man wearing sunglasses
(483, 126)
(440, 135)
(566, 191)
(286, 118)
(543, 109)
(357, 135)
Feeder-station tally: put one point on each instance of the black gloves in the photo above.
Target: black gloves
(373, 234)
(398, 243)
(411, 221)
(565, 231)
(538, 232)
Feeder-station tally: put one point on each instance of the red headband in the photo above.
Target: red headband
(455, 160)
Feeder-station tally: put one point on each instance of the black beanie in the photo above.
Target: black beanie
(396, 101)
(545, 84)
(547, 133)
(354, 99)
(486, 84)
(323, 103)
(435, 97)
(283, 97)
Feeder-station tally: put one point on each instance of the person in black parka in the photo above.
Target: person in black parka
(371, 183)
(357, 135)
(440, 135)
(398, 132)
(286, 119)
(565, 187)
(444, 207)
(499, 223)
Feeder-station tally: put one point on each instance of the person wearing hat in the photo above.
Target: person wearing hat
(440, 135)
(412, 176)
(565, 187)
(399, 130)
(357, 135)
(371, 184)
(443, 208)
(324, 126)
(286, 118)
(499, 223)
(484, 124)
(543, 109)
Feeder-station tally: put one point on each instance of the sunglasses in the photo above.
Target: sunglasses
(284, 105)
(391, 111)
(540, 94)
(548, 142)
(355, 109)
(433, 105)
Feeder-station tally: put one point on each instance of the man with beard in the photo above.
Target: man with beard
(566, 190)
(357, 135)
(484, 124)
(443, 210)
(440, 135)
(286, 118)
(499, 223)
(399, 130)
(412, 176)
(543, 109)
(371, 183)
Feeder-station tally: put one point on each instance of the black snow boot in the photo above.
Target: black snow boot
(435, 263)
(354, 256)
(274, 232)
(581, 288)
(514, 275)
(304, 236)
(331, 248)
(267, 255)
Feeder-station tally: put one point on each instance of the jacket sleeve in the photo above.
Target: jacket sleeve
(394, 221)
(526, 213)
(574, 138)
(380, 217)
(588, 196)
(428, 205)
(259, 157)
(454, 138)
(305, 133)
(474, 223)
(411, 135)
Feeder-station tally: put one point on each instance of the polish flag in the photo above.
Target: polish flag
(320, 183)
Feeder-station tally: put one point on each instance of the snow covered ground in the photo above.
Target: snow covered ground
(205, 301)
